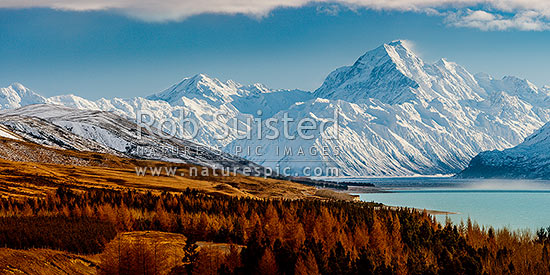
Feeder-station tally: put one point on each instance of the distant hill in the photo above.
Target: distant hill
(63, 127)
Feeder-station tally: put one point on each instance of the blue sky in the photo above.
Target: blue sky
(105, 53)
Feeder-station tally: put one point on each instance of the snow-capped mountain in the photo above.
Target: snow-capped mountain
(247, 99)
(17, 95)
(86, 130)
(397, 115)
(530, 159)
(401, 116)
(200, 87)
(215, 93)
(384, 73)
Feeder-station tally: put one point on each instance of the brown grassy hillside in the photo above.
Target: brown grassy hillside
(31, 170)
(44, 262)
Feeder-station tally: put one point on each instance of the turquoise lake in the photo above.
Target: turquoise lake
(497, 203)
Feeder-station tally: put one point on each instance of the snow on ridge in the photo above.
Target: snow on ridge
(51, 124)
(6, 133)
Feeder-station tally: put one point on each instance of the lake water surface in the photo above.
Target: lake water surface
(497, 203)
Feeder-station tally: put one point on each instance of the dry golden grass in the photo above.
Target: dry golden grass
(336, 195)
(31, 170)
(44, 262)
(34, 179)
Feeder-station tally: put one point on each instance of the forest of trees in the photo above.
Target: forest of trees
(269, 236)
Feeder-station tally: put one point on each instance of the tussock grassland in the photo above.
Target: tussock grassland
(29, 170)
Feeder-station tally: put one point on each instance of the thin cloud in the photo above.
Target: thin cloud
(525, 21)
(528, 15)
(331, 10)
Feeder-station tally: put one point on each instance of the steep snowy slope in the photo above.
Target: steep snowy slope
(378, 74)
(267, 101)
(201, 87)
(119, 134)
(199, 111)
(39, 131)
(530, 159)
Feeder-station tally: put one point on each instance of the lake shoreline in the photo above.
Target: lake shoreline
(357, 190)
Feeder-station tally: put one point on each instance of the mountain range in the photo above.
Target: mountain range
(396, 115)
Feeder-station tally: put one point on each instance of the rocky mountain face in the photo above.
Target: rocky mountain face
(395, 115)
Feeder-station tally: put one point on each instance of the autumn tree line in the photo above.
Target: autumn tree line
(269, 236)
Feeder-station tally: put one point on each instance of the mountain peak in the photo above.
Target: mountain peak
(258, 88)
(199, 77)
(198, 80)
(400, 45)
(519, 81)
(513, 86)
(385, 73)
(18, 87)
(398, 51)
(17, 95)
(199, 86)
